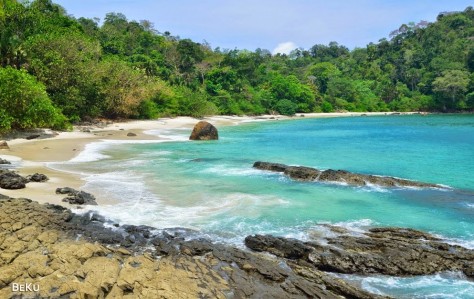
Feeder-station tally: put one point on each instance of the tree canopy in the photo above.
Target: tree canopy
(122, 68)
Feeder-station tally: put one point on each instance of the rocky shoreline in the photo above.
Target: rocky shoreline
(302, 173)
(69, 255)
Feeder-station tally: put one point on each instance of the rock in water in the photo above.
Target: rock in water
(204, 131)
(4, 162)
(384, 250)
(302, 173)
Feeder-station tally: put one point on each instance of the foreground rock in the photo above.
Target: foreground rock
(388, 251)
(4, 162)
(76, 197)
(302, 173)
(204, 131)
(75, 256)
(11, 180)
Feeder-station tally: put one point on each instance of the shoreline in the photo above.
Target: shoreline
(33, 156)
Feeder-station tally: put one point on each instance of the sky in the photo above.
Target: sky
(275, 25)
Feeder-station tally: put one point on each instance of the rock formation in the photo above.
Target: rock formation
(302, 173)
(76, 197)
(386, 250)
(4, 162)
(37, 178)
(76, 256)
(204, 131)
(11, 180)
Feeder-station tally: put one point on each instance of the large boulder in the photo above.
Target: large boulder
(11, 180)
(4, 145)
(204, 131)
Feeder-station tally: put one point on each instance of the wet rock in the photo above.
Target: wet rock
(302, 173)
(4, 162)
(204, 131)
(388, 251)
(37, 177)
(277, 167)
(11, 180)
(65, 190)
(76, 197)
(131, 134)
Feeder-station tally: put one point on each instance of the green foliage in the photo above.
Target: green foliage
(24, 102)
(285, 107)
(326, 107)
(125, 68)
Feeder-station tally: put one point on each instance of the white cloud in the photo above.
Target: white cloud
(284, 48)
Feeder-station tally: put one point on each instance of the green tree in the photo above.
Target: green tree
(65, 63)
(451, 85)
(286, 107)
(24, 102)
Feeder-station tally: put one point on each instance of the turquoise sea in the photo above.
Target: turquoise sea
(212, 187)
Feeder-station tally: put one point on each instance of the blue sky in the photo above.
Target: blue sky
(275, 25)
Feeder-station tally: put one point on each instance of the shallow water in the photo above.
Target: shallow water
(212, 187)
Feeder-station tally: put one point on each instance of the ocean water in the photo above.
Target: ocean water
(212, 187)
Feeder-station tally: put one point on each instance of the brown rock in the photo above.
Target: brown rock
(4, 145)
(302, 173)
(204, 131)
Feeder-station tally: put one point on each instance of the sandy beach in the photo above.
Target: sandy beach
(33, 156)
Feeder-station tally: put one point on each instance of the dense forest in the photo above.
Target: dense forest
(56, 70)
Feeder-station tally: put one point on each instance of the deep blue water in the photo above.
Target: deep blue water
(212, 187)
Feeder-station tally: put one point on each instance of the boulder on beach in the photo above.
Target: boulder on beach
(37, 178)
(11, 180)
(4, 145)
(204, 131)
(131, 134)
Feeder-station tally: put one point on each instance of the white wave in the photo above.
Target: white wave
(469, 244)
(359, 226)
(233, 171)
(91, 152)
(13, 159)
(374, 188)
(139, 206)
(169, 135)
(470, 205)
(441, 285)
